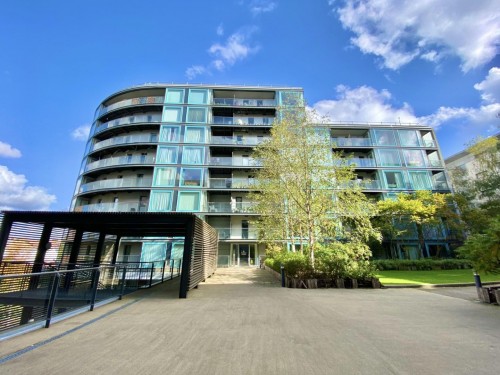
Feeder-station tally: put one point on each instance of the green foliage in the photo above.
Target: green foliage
(483, 249)
(420, 265)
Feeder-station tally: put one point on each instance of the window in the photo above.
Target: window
(165, 176)
(388, 158)
(153, 251)
(169, 134)
(194, 134)
(193, 155)
(420, 180)
(409, 137)
(394, 179)
(384, 137)
(414, 158)
(160, 201)
(197, 96)
(191, 177)
(172, 114)
(188, 201)
(195, 114)
(174, 96)
(166, 155)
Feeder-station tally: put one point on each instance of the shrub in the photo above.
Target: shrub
(420, 264)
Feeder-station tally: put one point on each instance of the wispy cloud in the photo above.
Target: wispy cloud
(237, 47)
(81, 133)
(261, 6)
(400, 31)
(220, 30)
(15, 195)
(8, 151)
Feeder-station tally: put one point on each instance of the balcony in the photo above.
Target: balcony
(238, 141)
(352, 142)
(128, 139)
(435, 163)
(234, 161)
(236, 234)
(428, 143)
(120, 160)
(233, 102)
(230, 207)
(228, 120)
(362, 162)
(136, 119)
(111, 207)
(117, 183)
(232, 183)
(130, 102)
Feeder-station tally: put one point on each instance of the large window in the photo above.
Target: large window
(170, 134)
(196, 114)
(394, 179)
(193, 155)
(174, 96)
(188, 201)
(191, 177)
(420, 180)
(165, 176)
(194, 134)
(153, 251)
(160, 201)
(384, 137)
(409, 138)
(172, 114)
(198, 96)
(414, 158)
(166, 155)
(388, 158)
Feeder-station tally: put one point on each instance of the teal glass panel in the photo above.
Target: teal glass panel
(174, 96)
(198, 96)
(177, 250)
(409, 138)
(388, 158)
(291, 98)
(394, 180)
(188, 201)
(172, 114)
(170, 134)
(414, 158)
(153, 251)
(160, 201)
(197, 114)
(194, 134)
(191, 177)
(166, 155)
(165, 176)
(193, 155)
(384, 137)
(420, 180)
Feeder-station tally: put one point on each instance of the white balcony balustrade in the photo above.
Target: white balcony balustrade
(117, 183)
(236, 161)
(120, 160)
(112, 207)
(232, 183)
(127, 139)
(355, 142)
(244, 141)
(236, 102)
(230, 207)
(135, 119)
(228, 120)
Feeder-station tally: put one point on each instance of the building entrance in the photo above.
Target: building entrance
(244, 254)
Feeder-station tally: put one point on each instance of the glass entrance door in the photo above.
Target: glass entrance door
(244, 253)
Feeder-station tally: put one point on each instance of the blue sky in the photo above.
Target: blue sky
(435, 62)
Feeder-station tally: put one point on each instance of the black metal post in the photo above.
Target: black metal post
(52, 299)
(477, 280)
(115, 249)
(122, 290)
(99, 249)
(5, 229)
(95, 284)
(282, 276)
(172, 261)
(163, 271)
(151, 275)
(186, 258)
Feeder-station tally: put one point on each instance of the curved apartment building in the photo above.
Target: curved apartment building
(188, 148)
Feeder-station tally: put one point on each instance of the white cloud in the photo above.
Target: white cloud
(8, 151)
(261, 6)
(364, 104)
(490, 87)
(15, 195)
(195, 71)
(81, 133)
(220, 30)
(237, 47)
(400, 31)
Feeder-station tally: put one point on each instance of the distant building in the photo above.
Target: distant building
(188, 148)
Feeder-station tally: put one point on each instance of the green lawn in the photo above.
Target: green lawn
(431, 277)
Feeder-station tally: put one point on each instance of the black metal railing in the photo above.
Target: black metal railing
(36, 298)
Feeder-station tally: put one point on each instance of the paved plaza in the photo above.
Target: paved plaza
(240, 321)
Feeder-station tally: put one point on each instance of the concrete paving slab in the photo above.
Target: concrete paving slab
(241, 322)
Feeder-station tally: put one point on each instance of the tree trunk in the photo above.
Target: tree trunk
(421, 239)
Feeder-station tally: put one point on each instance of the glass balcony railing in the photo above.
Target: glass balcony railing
(128, 139)
(362, 162)
(134, 101)
(435, 163)
(236, 233)
(428, 143)
(234, 161)
(116, 183)
(112, 207)
(230, 207)
(245, 102)
(228, 120)
(120, 160)
(232, 183)
(356, 142)
(135, 119)
(245, 141)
